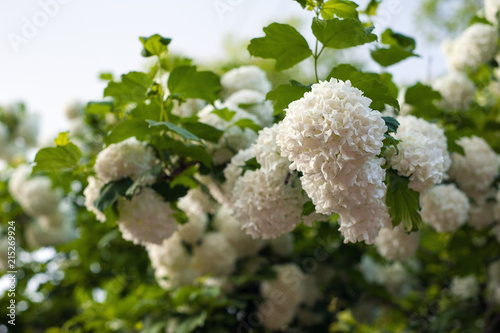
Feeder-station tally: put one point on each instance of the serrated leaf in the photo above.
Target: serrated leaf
(342, 34)
(339, 8)
(132, 87)
(62, 139)
(285, 94)
(111, 192)
(392, 55)
(248, 123)
(185, 134)
(378, 93)
(282, 43)
(225, 114)
(57, 158)
(154, 45)
(127, 129)
(403, 202)
(190, 83)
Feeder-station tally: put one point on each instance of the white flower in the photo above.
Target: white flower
(92, 193)
(268, 153)
(491, 8)
(397, 279)
(214, 256)
(233, 170)
(265, 205)
(331, 131)
(372, 271)
(464, 287)
(477, 45)
(456, 89)
(444, 207)
(146, 218)
(245, 77)
(129, 158)
(28, 129)
(476, 171)
(189, 108)
(244, 245)
(481, 213)
(276, 317)
(396, 243)
(254, 102)
(423, 155)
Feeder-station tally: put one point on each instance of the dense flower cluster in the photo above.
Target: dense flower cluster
(91, 193)
(476, 171)
(444, 207)
(456, 89)
(396, 243)
(491, 8)
(332, 136)
(423, 154)
(477, 45)
(245, 77)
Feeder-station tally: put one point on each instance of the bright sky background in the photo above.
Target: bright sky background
(60, 62)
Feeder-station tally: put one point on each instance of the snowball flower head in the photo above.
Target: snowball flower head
(268, 153)
(129, 158)
(423, 154)
(477, 45)
(476, 171)
(464, 287)
(491, 8)
(289, 284)
(482, 213)
(214, 256)
(396, 243)
(147, 218)
(254, 102)
(456, 89)
(92, 193)
(233, 170)
(444, 207)
(245, 77)
(331, 130)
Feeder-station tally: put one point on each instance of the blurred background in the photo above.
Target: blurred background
(54, 50)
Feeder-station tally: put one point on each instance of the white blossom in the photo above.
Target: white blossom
(456, 89)
(476, 171)
(146, 218)
(482, 213)
(268, 153)
(464, 287)
(396, 243)
(476, 45)
(254, 102)
(233, 170)
(189, 108)
(444, 207)
(129, 158)
(92, 193)
(214, 256)
(245, 77)
(491, 8)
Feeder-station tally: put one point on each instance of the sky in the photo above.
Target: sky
(52, 51)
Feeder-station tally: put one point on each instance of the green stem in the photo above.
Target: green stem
(163, 114)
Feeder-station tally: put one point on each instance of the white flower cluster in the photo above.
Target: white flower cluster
(129, 158)
(282, 296)
(332, 136)
(189, 108)
(396, 243)
(53, 218)
(92, 193)
(482, 213)
(477, 45)
(245, 77)
(444, 207)
(423, 154)
(456, 89)
(268, 201)
(233, 170)
(476, 171)
(464, 287)
(146, 218)
(491, 8)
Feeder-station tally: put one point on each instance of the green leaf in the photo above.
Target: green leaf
(191, 323)
(392, 38)
(225, 114)
(371, 8)
(282, 43)
(127, 129)
(203, 131)
(378, 93)
(308, 208)
(248, 123)
(185, 134)
(190, 83)
(341, 34)
(62, 139)
(285, 94)
(422, 97)
(195, 152)
(110, 193)
(132, 88)
(403, 202)
(392, 124)
(154, 45)
(339, 8)
(250, 165)
(106, 76)
(147, 111)
(170, 194)
(389, 56)
(99, 108)
(57, 158)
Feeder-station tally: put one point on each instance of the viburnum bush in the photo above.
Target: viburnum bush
(191, 200)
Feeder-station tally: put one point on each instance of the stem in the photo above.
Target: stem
(163, 114)
(316, 54)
